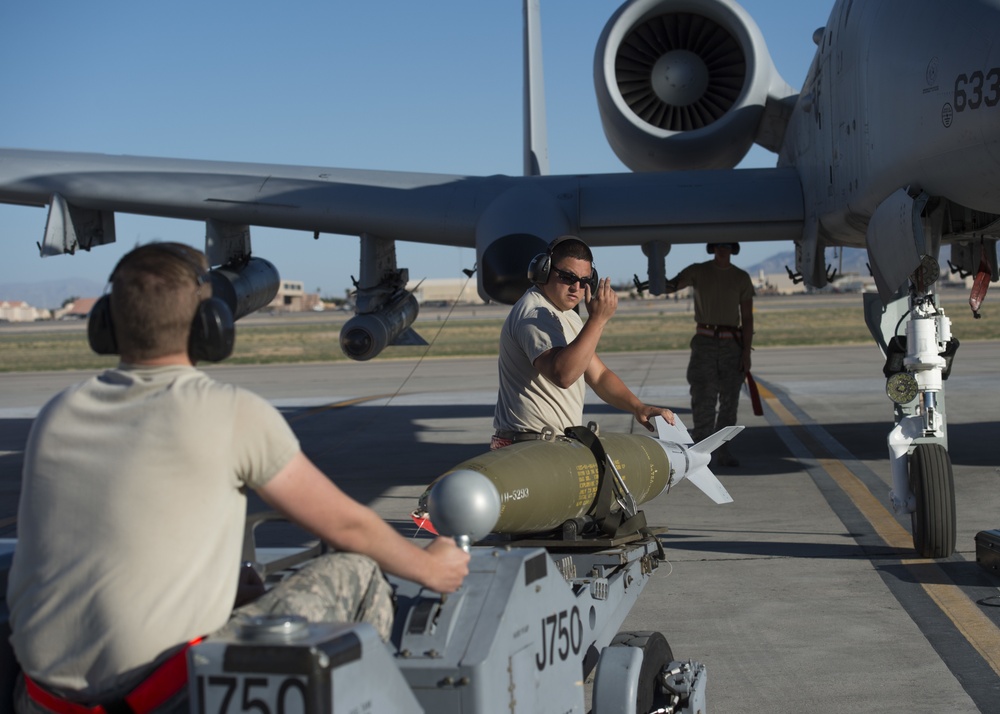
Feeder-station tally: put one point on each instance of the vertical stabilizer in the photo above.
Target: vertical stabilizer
(536, 143)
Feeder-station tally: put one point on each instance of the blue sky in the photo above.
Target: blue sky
(419, 86)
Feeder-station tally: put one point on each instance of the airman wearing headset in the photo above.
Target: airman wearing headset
(133, 508)
(548, 355)
(723, 339)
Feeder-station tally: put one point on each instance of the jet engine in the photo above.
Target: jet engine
(246, 286)
(682, 84)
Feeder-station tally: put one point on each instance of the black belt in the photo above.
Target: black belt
(516, 436)
(726, 332)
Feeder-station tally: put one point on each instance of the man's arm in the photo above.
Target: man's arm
(679, 283)
(303, 493)
(563, 366)
(611, 389)
(746, 324)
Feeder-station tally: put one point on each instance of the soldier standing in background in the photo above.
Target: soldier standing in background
(720, 348)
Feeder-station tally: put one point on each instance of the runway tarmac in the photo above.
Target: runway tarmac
(804, 595)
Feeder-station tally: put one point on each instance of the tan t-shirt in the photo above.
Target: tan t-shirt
(527, 401)
(131, 519)
(718, 292)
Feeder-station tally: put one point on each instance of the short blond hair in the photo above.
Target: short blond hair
(155, 291)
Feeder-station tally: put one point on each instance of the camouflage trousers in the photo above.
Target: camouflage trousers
(336, 587)
(716, 378)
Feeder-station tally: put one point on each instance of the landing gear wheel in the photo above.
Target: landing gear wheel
(655, 655)
(933, 485)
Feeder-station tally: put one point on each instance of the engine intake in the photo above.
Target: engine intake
(682, 84)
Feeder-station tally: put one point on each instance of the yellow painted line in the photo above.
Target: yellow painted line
(340, 405)
(777, 407)
(877, 514)
(977, 629)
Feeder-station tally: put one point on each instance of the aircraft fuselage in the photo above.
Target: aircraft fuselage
(899, 95)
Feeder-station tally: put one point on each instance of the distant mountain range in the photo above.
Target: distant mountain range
(50, 294)
(854, 260)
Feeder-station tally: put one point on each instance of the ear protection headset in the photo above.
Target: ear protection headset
(734, 247)
(540, 268)
(213, 331)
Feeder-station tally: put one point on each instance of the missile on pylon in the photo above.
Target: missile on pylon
(540, 485)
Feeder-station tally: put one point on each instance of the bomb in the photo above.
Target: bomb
(540, 485)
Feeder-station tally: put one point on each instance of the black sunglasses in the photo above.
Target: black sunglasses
(568, 278)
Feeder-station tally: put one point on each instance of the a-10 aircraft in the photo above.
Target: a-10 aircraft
(891, 144)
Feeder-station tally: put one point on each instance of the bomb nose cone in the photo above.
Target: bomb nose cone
(464, 503)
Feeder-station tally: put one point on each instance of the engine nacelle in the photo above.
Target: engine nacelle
(516, 227)
(682, 84)
(366, 335)
(503, 266)
(245, 287)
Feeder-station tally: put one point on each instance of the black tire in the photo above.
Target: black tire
(933, 485)
(655, 654)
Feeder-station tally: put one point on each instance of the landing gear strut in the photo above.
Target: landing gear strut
(916, 366)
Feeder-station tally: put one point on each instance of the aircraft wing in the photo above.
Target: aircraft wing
(604, 209)
(295, 197)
